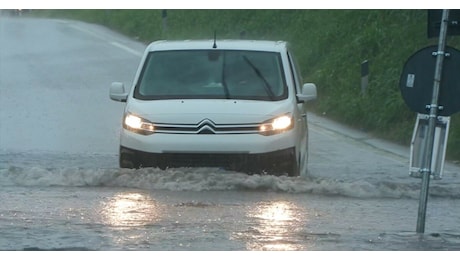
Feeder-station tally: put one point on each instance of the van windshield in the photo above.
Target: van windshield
(212, 74)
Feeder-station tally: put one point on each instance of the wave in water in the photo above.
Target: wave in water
(211, 179)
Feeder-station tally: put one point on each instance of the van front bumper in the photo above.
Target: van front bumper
(271, 162)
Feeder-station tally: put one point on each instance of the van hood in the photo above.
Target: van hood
(191, 111)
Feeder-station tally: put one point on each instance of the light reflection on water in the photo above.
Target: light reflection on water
(130, 209)
(275, 223)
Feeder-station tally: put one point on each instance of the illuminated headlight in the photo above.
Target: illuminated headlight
(138, 125)
(276, 125)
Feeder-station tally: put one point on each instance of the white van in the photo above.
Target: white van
(235, 104)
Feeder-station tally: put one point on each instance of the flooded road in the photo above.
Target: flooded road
(61, 188)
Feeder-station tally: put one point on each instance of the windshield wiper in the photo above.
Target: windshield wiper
(267, 85)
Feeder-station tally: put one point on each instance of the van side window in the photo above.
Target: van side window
(296, 75)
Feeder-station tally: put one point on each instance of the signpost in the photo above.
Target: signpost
(430, 133)
(426, 166)
(364, 76)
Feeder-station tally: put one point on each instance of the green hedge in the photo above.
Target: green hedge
(330, 45)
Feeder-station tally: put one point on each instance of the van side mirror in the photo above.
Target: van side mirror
(308, 92)
(118, 92)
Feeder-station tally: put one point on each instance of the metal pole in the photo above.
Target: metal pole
(428, 153)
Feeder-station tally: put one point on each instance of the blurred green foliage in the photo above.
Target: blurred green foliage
(330, 46)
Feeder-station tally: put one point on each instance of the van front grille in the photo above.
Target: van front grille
(206, 126)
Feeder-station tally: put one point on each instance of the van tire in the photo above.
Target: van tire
(290, 167)
(127, 159)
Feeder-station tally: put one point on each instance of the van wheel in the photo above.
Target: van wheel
(290, 167)
(128, 160)
(294, 170)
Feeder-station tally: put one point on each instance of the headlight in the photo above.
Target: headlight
(138, 125)
(276, 125)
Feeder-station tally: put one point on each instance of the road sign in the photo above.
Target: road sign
(416, 82)
(419, 141)
(435, 19)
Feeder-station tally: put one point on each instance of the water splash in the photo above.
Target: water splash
(213, 179)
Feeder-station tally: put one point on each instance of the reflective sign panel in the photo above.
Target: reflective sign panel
(420, 142)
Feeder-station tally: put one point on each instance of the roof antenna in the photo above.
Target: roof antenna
(214, 46)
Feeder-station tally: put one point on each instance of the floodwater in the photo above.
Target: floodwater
(61, 188)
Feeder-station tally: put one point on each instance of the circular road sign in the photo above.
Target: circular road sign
(417, 79)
